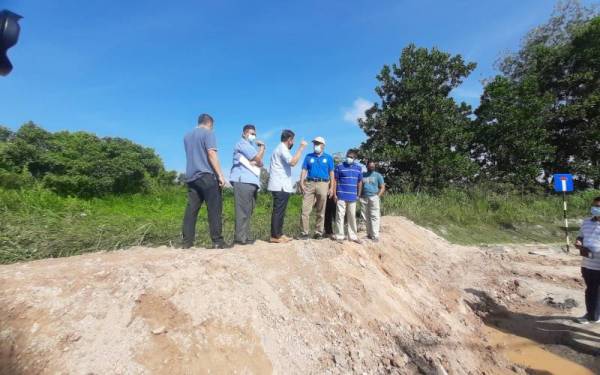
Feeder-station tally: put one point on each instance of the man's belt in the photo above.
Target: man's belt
(317, 179)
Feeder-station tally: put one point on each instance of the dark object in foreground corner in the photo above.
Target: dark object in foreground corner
(9, 36)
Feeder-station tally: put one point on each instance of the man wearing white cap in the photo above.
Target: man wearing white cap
(316, 182)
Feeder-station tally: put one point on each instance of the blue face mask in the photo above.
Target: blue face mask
(595, 211)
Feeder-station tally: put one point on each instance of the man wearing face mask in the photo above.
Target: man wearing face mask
(373, 189)
(245, 178)
(280, 182)
(316, 183)
(588, 243)
(348, 185)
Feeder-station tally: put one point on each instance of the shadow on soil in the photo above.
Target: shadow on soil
(546, 330)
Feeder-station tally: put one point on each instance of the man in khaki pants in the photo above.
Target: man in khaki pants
(372, 189)
(348, 186)
(316, 182)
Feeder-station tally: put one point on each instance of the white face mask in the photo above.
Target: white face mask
(349, 161)
(251, 137)
(318, 148)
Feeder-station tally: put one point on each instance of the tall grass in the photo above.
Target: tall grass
(36, 223)
(479, 217)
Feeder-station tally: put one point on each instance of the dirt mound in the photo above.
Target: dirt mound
(399, 306)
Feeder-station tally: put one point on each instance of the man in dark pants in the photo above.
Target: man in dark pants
(330, 206)
(245, 178)
(204, 179)
(280, 182)
(330, 213)
(588, 243)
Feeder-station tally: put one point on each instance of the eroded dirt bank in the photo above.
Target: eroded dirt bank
(411, 304)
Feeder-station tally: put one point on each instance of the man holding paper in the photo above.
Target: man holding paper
(245, 178)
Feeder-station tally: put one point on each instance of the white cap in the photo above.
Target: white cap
(319, 139)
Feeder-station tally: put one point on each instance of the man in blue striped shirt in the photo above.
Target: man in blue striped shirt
(588, 243)
(348, 185)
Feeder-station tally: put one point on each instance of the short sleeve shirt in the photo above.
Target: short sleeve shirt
(239, 173)
(372, 181)
(347, 177)
(318, 166)
(590, 231)
(280, 170)
(196, 144)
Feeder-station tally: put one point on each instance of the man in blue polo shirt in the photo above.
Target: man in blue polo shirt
(348, 185)
(245, 178)
(316, 182)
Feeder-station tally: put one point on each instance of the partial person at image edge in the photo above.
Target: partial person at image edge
(588, 243)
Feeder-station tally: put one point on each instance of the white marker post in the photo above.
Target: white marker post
(563, 182)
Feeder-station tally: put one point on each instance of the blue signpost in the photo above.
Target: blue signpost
(563, 183)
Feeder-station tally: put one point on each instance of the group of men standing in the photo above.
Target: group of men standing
(332, 190)
(321, 180)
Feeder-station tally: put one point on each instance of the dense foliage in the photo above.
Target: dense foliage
(419, 130)
(77, 163)
(540, 116)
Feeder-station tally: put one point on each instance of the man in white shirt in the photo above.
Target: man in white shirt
(588, 243)
(280, 182)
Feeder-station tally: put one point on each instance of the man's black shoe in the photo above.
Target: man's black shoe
(221, 245)
(318, 236)
(303, 237)
(247, 242)
(185, 246)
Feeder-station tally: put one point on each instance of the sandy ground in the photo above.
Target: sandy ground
(412, 303)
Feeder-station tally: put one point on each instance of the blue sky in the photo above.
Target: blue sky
(144, 70)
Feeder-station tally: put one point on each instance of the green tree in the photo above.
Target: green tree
(5, 133)
(557, 31)
(264, 179)
(80, 163)
(560, 61)
(571, 74)
(421, 135)
(27, 149)
(512, 143)
(181, 179)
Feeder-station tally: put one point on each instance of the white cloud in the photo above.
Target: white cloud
(357, 111)
(265, 136)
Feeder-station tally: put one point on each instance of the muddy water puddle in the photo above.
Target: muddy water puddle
(530, 354)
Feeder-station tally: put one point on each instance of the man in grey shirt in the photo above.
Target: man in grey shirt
(204, 179)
